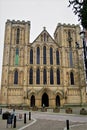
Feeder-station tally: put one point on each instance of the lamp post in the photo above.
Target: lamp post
(79, 67)
(84, 50)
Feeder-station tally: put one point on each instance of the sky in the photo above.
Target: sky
(40, 13)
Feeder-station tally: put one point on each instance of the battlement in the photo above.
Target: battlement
(66, 25)
(17, 22)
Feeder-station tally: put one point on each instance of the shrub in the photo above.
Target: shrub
(35, 108)
(43, 109)
(56, 109)
(83, 111)
(69, 110)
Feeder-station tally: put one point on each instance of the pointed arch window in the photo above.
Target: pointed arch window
(57, 57)
(72, 78)
(44, 76)
(51, 76)
(31, 76)
(58, 76)
(44, 55)
(45, 100)
(16, 77)
(38, 76)
(69, 38)
(57, 101)
(17, 57)
(71, 57)
(51, 55)
(18, 35)
(38, 55)
(31, 56)
(70, 48)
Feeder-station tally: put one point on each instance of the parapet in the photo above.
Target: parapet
(17, 22)
(66, 25)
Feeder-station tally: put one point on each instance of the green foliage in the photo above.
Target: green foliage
(80, 8)
(84, 15)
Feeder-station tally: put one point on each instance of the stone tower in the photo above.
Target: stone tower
(72, 61)
(17, 38)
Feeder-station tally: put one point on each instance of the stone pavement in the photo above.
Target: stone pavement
(79, 127)
(19, 124)
(42, 124)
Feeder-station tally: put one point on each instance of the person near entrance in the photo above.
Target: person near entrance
(43, 105)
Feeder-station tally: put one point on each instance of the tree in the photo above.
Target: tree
(80, 9)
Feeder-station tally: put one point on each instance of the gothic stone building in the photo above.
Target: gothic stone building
(48, 71)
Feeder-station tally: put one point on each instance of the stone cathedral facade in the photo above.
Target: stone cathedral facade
(48, 71)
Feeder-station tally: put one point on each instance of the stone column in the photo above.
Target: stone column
(27, 32)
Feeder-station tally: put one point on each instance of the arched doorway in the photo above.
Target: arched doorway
(32, 104)
(57, 101)
(45, 100)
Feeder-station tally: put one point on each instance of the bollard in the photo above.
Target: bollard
(14, 125)
(29, 115)
(24, 118)
(1, 111)
(67, 124)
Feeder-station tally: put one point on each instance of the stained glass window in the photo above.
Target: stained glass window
(16, 77)
(72, 78)
(38, 55)
(38, 76)
(44, 76)
(44, 55)
(31, 76)
(70, 57)
(51, 55)
(31, 56)
(57, 57)
(58, 76)
(51, 76)
(17, 57)
(18, 35)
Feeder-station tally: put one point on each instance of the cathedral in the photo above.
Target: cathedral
(49, 71)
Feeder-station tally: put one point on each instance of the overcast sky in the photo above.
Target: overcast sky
(41, 13)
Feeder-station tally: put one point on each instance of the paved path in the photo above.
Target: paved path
(59, 117)
(78, 127)
(48, 121)
(19, 124)
(45, 124)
